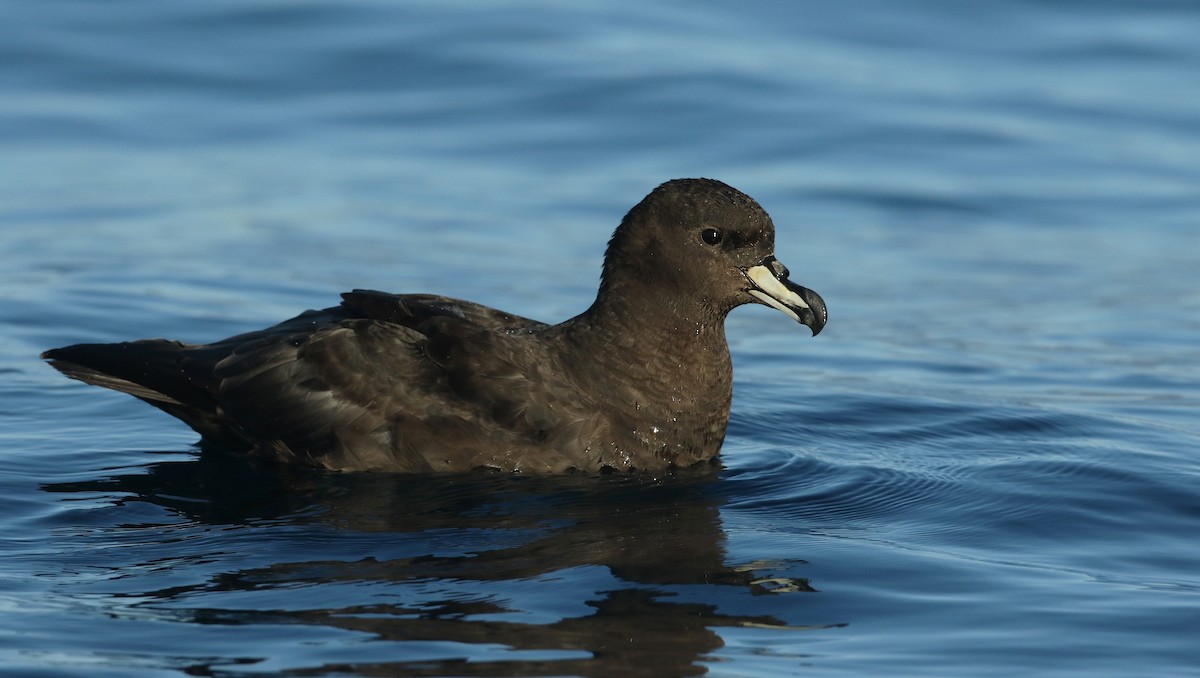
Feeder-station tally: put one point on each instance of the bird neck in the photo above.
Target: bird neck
(681, 353)
(637, 326)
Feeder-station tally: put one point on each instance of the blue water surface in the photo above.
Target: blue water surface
(988, 464)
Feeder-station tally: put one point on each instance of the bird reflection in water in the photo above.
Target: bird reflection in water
(440, 553)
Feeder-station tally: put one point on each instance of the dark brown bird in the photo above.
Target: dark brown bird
(421, 383)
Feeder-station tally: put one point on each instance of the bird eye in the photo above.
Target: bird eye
(711, 236)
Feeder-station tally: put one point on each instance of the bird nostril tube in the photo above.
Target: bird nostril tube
(777, 267)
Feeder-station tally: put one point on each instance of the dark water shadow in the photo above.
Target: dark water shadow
(652, 535)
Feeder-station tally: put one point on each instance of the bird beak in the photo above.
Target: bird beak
(769, 284)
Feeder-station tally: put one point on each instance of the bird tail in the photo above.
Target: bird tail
(149, 370)
(169, 375)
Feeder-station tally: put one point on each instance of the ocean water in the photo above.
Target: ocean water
(988, 464)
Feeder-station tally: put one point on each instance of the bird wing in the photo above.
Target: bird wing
(414, 383)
